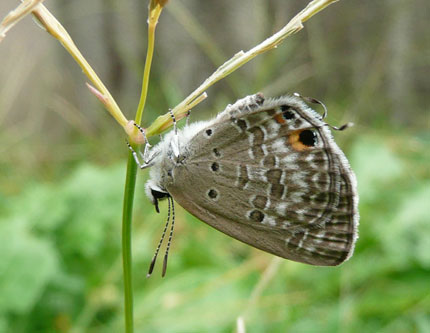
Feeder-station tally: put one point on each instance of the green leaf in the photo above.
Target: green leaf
(375, 166)
(44, 207)
(405, 237)
(93, 197)
(26, 267)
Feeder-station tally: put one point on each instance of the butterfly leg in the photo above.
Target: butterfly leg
(314, 101)
(147, 159)
(187, 119)
(136, 158)
(175, 140)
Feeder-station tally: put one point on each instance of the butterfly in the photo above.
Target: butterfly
(265, 172)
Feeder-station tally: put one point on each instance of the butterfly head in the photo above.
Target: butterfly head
(161, 172)
(155, 193)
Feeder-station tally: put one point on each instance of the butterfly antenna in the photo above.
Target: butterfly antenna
(154, 259)
(170, 238)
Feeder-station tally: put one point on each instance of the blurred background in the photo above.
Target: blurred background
(62, 168)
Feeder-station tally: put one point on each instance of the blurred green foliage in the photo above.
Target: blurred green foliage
(62, 170)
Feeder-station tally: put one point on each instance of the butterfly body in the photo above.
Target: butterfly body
(268, 173)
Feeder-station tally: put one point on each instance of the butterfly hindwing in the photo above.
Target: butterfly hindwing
(271, 176)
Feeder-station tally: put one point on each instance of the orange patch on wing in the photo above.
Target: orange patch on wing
(279, 119)
(294, 141)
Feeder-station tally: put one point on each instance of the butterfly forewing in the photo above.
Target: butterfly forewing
(273, 178)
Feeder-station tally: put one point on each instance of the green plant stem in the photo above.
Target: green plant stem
(130, 182)
(146, 72)
(130, 185)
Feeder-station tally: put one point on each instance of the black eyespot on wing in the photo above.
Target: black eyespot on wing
(215, 166)
(209, 132)
(288, 115)
(308, 138)
(216, 152)
(213, 194)
(256, 216)
(287, 112)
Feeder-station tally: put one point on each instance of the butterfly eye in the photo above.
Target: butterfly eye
(157, 195)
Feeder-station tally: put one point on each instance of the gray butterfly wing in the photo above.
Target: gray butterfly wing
(273, 177)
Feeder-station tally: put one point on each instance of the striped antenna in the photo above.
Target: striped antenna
(151, 267)
(170, 237)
